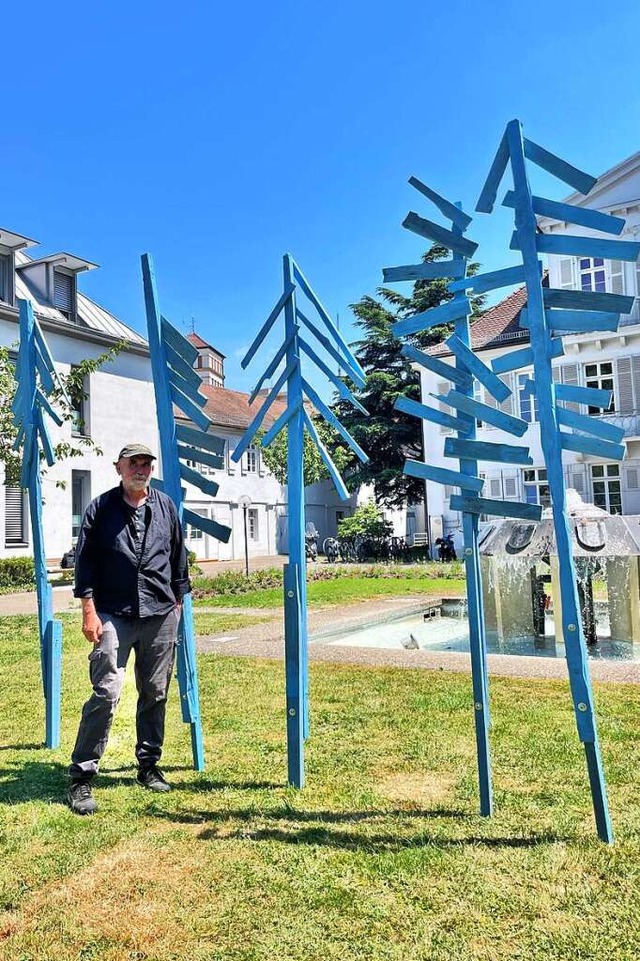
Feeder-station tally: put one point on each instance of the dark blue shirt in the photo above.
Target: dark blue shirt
(131, 568)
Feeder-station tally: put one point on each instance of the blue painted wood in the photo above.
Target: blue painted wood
(187, 388)
(326, 457)
(220, 531)
(413, 407)
(280, 423)
(43, 352)
(449, 210)
(481, 283)
(206, 485)
(179, 366)
(268, 324)
(273, 366)
(339, 385)
(569, 213)
(552, 448)
(440, 475)
(255, 424)
(46, 406)
(53, 693)
(495, 508)
(581, 321)
(523, 357)
(46, 377)
(193, 411)
(487, 198)
(331, 418)
(590, 425)
(486, 450)
(557, 167)
(343, 362)
(201, 456)
(178, 341)
(427, 271)
(496, 387)
(584, 395)
(587, 300)
(461, 378)
(45, 439)
(434, 317)
(592, 445)
(483, 412)
(439, 235)
(196, 438)
(293, 617)
(566, 244)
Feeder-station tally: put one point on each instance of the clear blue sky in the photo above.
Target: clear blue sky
(219, 136)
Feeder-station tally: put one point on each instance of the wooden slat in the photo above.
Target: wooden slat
(581, 321)
(440, 475)
(568, 245)
(179, 342)
(481, 283)
(590, 425)
(207, 525)
(189, 409)
(187, 388)
(331, 418)
(273, 365)
(592, 396)
(592, 445)
(197, 438)
(569, 213)
(483, 412)
(494, 178)
(446, 208)
(436, 366)
(475, 366)
(434, 317)
(523, 357)
(331, 467)
(439, 235)
(44, 403)
(339, 357)
(206, 485)
(559, 168)
(178, 364)
(428, 271)
(254, 426)
(587, 300)
(339, 385)
(485, 505)
(268, 324)
(485, 450)
(415, 409)
(281, 422)
(201, 456)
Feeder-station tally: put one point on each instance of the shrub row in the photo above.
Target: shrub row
(16, 573)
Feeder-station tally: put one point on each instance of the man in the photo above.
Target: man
(131, 575)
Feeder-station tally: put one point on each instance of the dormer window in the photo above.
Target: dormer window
(52, 280)
(64, 293)
(9, 243)
(5, 278)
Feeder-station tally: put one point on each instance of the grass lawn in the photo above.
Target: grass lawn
(382, 857)
(335, 592)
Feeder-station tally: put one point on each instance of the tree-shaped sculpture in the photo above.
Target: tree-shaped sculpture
(297, 418)
(465, 448)
(555, 312)
(37, 379)
(177, 384)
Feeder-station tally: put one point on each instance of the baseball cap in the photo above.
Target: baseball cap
(135, 450)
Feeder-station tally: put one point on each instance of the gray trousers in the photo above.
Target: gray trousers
(153, 640)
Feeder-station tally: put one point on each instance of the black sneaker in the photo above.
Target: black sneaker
(80, 798)
(153, 779)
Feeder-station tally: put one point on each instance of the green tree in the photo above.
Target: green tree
(275, 455)
(387, 435)
(67, 409)
(367, 521)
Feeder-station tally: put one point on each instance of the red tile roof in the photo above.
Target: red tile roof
(230, 408)
(198, 342)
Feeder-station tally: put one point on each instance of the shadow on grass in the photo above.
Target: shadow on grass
(23, 747)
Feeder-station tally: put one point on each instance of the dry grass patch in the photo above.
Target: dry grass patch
(420, 789)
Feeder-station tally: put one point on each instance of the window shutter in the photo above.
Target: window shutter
(495, 487)
(14, 519)
(510, 487)
(632, 478)
(570, 376)
(556, 374)
(577, 479)
(443, 388)
(262, 470)
(243, 463)
(567, 267)
(616, 276)
(624, 396)
(5, 267)
(231, 465)
(63, 291)
(507, 405)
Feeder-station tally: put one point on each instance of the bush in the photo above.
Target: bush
(368, 521)
(16, 573)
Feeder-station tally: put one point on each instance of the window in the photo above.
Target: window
(600, 376)
(15, 517)
(477, 396)
(5, 278)
(252, 459)
(80, 406)
(592, 274)
(528, 404)
(64, 293)
(252, 523)
(80, 496)
(536, 487)
(607, 493)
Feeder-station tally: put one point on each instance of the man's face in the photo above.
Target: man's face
(135, 472)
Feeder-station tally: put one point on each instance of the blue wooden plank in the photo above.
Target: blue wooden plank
(569, 213)
(273, 365)
(219, 531)
(439, 235)
(268, 324)
(485, 505)
(179, 342)
(201, 456)
(481, 283)
(415, 409)
(446, 208)
(475, 366)
(592, 445)
(483, 412)
(523, 357)
(339, 358)
(440, 475)
(294, 671)
(202, 483)
(581, 321)
(187, 388)
(281, 422)
(559, 168)
(44, 403)
(254, 426)
(339, 385)
(53, 687)
(178, 364)
(331, 418)
(45, 439)
(590, 425)
(587, 300)
(47, 379)
(584, 395)
(331, 467)
(157, 483)
(567, 244)
(427, 271)
(434, 317)
(459, 377)
(188, 408)
(486, 450)
(494, 178)
(197, 438)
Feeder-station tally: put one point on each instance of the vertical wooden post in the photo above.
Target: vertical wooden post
(293, 616)
(576, 652)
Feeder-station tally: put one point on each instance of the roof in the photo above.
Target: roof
(230, 408)
(201, 344)
(91, 315)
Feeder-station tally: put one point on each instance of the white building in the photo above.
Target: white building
(605, 360)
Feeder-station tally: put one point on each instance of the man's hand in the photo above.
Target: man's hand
(91, 623)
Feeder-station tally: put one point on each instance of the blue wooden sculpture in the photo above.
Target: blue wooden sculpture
(465, 410)
(176, 384)
(37, 379)
(552, 312)
(296, 418)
